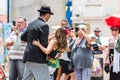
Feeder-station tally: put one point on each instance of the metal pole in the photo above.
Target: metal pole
(9, 11)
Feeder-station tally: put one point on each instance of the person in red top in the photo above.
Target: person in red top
(64, 25)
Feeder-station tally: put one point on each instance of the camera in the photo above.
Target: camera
(76, 29)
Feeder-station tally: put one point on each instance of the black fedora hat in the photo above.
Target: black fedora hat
(45, 9)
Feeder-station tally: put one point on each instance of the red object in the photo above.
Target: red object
(67, 31)
(2, 74)
(113, 21)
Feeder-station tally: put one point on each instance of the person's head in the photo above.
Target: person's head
(21, 23)
(45, 12)
(115, 30)
(64, 23)
(60, 36)
(97, 32)
(83, 27)
(93, 37)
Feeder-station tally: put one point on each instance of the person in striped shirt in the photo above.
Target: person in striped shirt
(16, 49)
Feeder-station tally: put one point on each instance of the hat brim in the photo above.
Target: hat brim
(46, 11)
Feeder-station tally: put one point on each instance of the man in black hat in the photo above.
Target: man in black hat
(34, 58)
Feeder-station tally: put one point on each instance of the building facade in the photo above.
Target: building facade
(90, 12)
(28, 9)
(93, 13)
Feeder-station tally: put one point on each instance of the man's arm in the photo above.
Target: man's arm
(44, 32)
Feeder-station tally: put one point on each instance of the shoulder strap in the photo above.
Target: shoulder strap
(81, 42)
(72, 43)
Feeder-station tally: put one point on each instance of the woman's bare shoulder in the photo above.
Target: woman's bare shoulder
(53, 41)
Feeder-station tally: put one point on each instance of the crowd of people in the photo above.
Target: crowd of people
(34, 54)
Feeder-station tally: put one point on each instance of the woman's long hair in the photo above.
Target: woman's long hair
(60, 36)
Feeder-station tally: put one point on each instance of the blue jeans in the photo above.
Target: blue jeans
(16, 69)
(83, 74)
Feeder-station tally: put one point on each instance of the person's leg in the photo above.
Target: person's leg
(78, 74)
(55, 74)
(63, 76)
(27, 73)
(67, 74)
(66, 77)
(51, 71)
(40, 71)
(86, 74)
(58, 73)
(20, 69)
(72, 76)
(12, 70)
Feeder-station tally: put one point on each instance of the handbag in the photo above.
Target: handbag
(97, 70)
(96, 49)
(107, 68)
(70, 65)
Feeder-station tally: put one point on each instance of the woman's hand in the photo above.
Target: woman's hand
(106, 62)
(59, 55)
(101, 47)
(36, 42)
(81, 31)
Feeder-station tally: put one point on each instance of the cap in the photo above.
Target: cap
(83, 26)
(97, 29)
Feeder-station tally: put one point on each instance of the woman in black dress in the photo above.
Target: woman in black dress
(112, 55)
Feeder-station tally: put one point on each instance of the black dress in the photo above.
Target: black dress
(113, 75)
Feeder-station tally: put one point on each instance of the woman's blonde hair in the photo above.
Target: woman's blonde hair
(61, 38)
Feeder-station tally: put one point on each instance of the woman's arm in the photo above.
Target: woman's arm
(51, 37)
(107, 55)
(49, 48)
(107, 51)
(88, 39)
